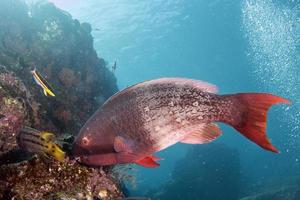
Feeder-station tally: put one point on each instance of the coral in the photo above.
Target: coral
(16, 109)
(61, 48)
(38, 180)
(67, 77)
(63, 115)
(44, 37)
(204, 173)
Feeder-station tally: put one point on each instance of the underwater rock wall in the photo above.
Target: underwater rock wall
(204, 173)
(282, 193)
(61, 48)
(44, 37)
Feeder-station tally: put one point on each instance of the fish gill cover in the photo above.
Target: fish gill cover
(41, 36)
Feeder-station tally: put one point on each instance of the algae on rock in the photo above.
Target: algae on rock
(44, 37)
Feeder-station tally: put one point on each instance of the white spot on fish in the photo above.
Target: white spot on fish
(200, 117)
(171, 104)
(157, 128)
(184, 122)
(194, 111)
(148, 119)
(178, 120)
(195, 103)
(147, 109)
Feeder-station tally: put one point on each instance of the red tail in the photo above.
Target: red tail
(254, 117)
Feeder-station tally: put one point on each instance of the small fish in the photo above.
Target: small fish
(42, 83)
(40, 142)
(114, 67)
(148, 117)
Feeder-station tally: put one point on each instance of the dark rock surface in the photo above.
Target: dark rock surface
(61, 48)
(282, 193)
(44, 37)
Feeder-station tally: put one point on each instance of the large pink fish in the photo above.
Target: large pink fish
(145, 118)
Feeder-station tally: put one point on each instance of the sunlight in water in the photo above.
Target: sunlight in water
(273, 35)
(124, 26)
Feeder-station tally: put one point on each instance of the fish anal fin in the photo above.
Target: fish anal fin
(122, 145)
(203, 134)
(148, 161)
(155, 158)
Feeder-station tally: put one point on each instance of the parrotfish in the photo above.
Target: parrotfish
(150, 116)
(40, 142)
(41, 81)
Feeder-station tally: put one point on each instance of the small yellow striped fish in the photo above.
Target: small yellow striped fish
(42, 83)
(40, 142)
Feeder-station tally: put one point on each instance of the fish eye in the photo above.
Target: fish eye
(85, 141)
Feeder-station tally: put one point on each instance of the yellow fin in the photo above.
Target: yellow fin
(48, 91)
(59, 154)
(54, 150)
(47, 136)
(45, 92)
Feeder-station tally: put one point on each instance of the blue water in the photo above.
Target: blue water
(238, 45)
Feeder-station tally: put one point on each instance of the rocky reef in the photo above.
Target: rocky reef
(36, 179)
(44, 37)
(204, 173)
(287, 192)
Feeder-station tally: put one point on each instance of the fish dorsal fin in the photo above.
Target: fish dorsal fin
(148, 161)
(203, 134)
(122, 145)
(206, 87)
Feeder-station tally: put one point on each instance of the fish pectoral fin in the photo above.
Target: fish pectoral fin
(122, 145)
(204, 134)
(149, 161)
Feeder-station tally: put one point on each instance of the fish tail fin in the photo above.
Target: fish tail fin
(45, 92)
(251, 121)
(49, 92)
